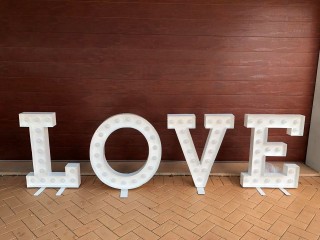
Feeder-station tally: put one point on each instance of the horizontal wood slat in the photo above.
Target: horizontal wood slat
(155, 10)
(185, 27)
(89, 60)
(171, 42)
(156, 56)
(165, 87)
(156, 71)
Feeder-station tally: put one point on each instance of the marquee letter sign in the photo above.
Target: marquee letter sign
(218, 124)
(260, 148)
(258, 174)
(103, 170)
(42, 176)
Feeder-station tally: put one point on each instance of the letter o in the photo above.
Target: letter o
(98, 160)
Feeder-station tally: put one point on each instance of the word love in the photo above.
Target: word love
(200, 168)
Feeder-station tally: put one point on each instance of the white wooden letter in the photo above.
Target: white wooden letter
(42, 176)
(257, 176)
(218, 124)
(103, 170)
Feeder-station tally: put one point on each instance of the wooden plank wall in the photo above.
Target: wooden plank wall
(88, 60)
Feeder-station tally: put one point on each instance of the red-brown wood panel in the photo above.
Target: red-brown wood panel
(89, 60)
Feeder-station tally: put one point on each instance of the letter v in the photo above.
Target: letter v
(218, 124)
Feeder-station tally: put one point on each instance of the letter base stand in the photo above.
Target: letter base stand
(201, 191)
(123, 193)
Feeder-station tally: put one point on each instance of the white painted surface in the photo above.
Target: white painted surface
(42, 175)
(258, 176)
(218, 124)
(313, 152)
(100, 164)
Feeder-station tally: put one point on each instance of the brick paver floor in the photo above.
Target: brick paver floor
(165, 208)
